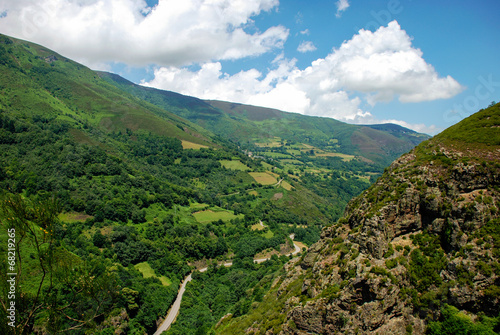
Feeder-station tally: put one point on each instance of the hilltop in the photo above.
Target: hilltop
(418, 252)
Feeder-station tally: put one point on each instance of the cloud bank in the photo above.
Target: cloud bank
(173, 32)
(371, 68)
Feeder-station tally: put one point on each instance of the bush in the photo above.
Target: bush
(453, 322)
(391, 263)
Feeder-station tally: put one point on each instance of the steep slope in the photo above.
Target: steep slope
(249, 125)
(417, 252)
(39, 81)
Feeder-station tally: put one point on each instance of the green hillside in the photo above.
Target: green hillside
(114, 200)
(38, 81)
(380, 143)
(478, 129)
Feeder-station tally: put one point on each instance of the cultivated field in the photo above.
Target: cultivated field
(191, 145)
(74, 217)
(210, 216)
(263, 178)
(234, 165)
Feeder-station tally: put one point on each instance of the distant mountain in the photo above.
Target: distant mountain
(400, 132)
(418, 252)
(250, 125)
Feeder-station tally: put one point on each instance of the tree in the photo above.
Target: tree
(100, 240)
(67, 293)
(33, 224)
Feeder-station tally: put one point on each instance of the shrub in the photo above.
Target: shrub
(391, 263)
(453, 322)
(389, 252)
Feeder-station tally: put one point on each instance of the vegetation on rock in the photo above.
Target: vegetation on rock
(415, 253)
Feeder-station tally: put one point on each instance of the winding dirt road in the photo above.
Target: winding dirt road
(174, 310)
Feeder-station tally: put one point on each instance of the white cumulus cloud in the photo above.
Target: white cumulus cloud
(306, 46)
(171, 33)
(371, 68)
(342, 5)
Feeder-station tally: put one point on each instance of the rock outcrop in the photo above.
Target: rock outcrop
(426, 234)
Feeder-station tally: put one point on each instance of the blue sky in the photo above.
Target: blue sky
(422, 64)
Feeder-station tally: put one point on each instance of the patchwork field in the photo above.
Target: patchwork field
(191, 145)
(258, 226)
(291, 161)
(74, 217)
(234, 165)
(210, 216)
(345, 158)
(296, 152)
(272, 143)
(276, 155)
(263, 178)
(269, 234)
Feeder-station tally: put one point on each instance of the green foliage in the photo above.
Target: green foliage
(59, 290)
(308, 235)
(130, 297)
(389, 252)
(424, 270)
(381, 271)
(219, 291)
(100, 240)
(491, 230)
(267, 314)
(391, 263)
(336, 188)
(330, 293)
(492, 291)
(453, 322)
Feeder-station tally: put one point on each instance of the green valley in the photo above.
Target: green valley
(116, 192)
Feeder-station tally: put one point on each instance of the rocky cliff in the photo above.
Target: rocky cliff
(424, 237)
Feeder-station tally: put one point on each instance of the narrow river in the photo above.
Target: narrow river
(174, 310)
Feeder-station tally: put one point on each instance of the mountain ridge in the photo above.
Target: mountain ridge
(244, 123)
(51, 82)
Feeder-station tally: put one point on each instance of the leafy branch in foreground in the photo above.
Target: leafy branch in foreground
(55, 291)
